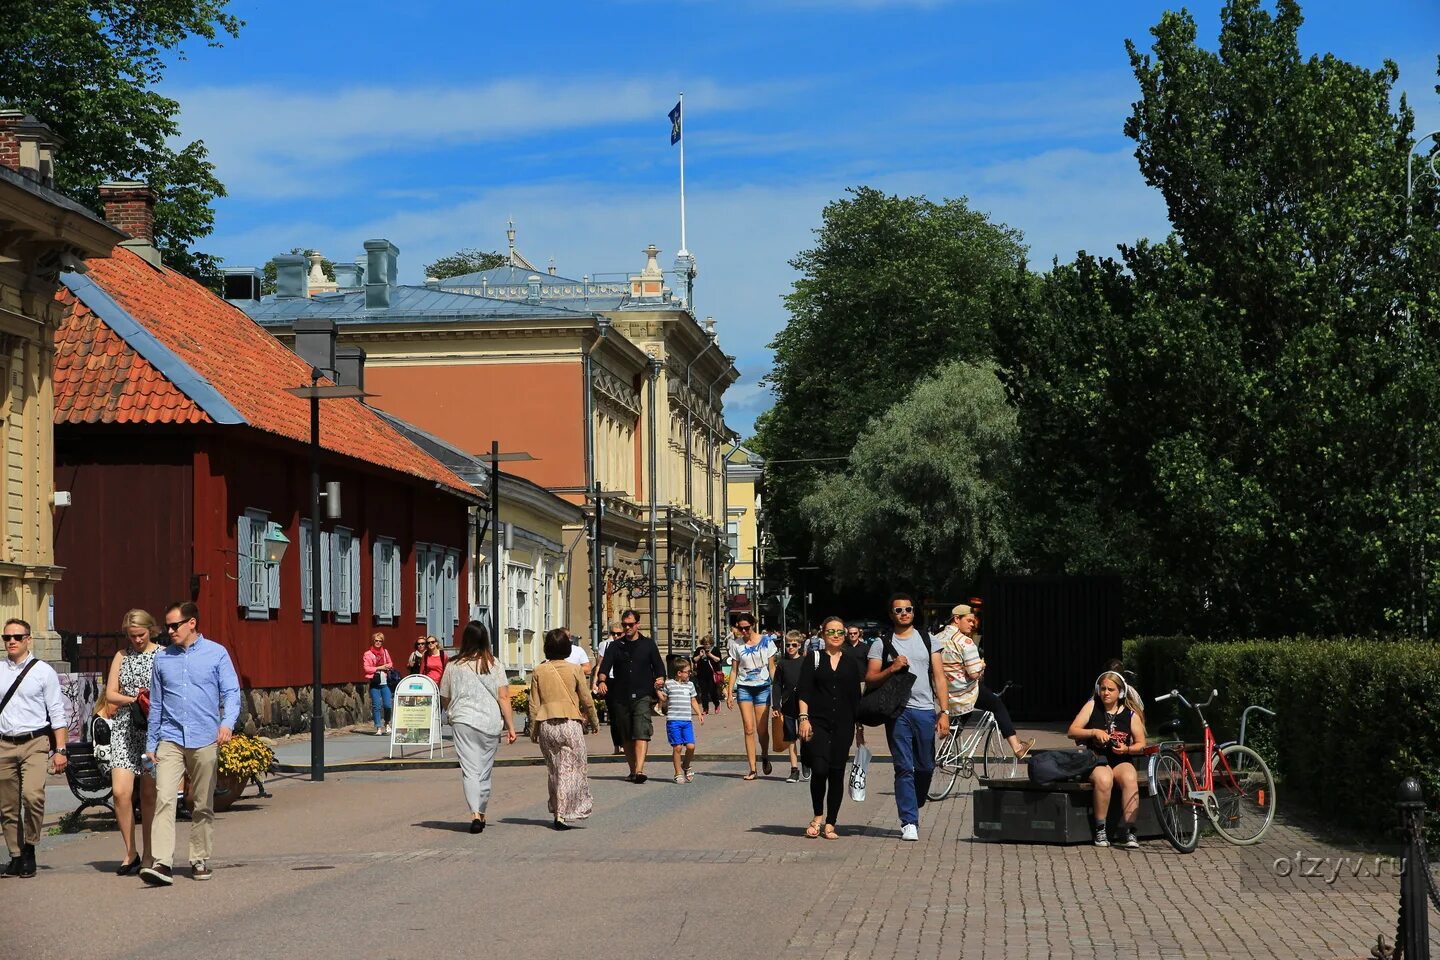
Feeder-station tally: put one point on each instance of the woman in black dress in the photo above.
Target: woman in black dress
(706, 665)
(829, 697)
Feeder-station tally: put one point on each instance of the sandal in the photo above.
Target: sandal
(749, 776)
(679, 778)
(813, 830)
(766, 766)
(830, 833)
(689, 776)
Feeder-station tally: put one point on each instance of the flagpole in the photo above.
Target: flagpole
(684, 250)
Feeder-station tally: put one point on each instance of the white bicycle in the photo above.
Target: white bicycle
(957, 754)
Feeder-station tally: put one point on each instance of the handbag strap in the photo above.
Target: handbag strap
(16, 685)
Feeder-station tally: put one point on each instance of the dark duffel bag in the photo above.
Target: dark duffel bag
(1055, 766)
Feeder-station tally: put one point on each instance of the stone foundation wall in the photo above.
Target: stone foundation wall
(279, 711)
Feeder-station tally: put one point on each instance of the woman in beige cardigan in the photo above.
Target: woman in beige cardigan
(561, 712)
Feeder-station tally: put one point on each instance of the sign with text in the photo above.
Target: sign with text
(416, 718)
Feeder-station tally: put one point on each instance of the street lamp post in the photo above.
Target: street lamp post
(494, 458)
(315, 392)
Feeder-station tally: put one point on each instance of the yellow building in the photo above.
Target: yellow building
(745, 527)
(42, 233)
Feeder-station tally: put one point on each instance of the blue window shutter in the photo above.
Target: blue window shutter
(272, 585)
(421, 557)
(378, 576)
(242, 566)
(452, 586)
(326, 545)
(354, 561)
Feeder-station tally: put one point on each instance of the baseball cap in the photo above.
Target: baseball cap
(961, 610)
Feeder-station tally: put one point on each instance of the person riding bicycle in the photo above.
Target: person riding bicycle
(1116, 734)
(964, 671)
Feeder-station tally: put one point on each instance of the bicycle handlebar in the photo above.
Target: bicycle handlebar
(1193, 706)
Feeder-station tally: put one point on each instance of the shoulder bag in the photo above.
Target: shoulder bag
(5, 701)
(884, 703)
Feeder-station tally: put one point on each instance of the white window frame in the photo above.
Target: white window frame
(343, 588)
(422, 596)
(481, 599)
(259, 583)
(732, 536)
(305, 572)
(517, 611)
(385, 581)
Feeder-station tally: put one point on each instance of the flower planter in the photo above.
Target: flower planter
(228, 788)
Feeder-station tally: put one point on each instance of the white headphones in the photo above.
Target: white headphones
(1124, 688)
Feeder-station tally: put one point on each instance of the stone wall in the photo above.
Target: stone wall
(280, 711)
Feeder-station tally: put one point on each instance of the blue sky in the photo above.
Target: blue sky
(431, 123)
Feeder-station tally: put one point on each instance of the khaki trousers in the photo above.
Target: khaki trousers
(172, 762)
(25, 763)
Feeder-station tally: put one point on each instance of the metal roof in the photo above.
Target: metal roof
(406, 303)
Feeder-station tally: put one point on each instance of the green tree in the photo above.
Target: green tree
(87, 68)
(894, 287)
(462, 262)
(925, 501)
(267, 280)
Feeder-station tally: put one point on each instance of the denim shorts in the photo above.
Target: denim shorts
(758, 695)
(680, 733)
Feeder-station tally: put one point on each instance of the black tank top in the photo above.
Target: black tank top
(1115, 724)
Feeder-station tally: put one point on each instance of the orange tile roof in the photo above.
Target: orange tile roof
(100, 377)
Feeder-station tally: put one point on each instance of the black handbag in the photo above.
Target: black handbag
(1056, 766)
(884, 703)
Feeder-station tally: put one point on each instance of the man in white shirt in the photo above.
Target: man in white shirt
(579, 657)
(30, 691)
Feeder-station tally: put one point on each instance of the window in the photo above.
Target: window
(259, 582)
(306, 574)
(424, 583)
(547, 603)
(733, 532)
(385, 577)
(482, 591)
(517, 597)
(451, 586)
(345, 568)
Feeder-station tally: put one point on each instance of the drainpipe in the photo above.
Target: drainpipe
(722, 528)
(602, 330)
(654, 543)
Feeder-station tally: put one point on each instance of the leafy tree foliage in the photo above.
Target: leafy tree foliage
(925, 501)
(462, 262)
(894, 287)
(87, 68)
(267, 280)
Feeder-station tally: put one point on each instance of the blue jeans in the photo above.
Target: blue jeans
(912, 747)
(380, 697)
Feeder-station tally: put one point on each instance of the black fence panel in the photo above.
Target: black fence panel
(90, 652)
(1050, 635)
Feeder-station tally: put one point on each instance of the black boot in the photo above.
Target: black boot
(27, 860)
(12, 869)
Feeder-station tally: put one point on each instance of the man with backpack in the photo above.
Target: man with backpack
(911, 733)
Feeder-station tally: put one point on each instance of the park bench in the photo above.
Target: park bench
(1016, 810)
(87, 779)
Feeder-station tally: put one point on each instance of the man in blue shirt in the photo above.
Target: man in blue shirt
(194, 703)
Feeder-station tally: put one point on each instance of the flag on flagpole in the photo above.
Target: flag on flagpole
(675, 116)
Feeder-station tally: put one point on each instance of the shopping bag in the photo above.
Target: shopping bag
(859, 769)
(778, 740)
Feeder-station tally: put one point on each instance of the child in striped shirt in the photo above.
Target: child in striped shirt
(681, 705)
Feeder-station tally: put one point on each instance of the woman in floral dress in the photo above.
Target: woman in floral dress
(128, 690)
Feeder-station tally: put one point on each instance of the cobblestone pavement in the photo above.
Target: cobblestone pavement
(378, 865)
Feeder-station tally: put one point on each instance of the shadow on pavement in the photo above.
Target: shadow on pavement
(526, 822)
(455, 826)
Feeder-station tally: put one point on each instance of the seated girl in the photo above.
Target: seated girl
(1116, 733)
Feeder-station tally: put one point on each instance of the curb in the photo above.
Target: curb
(398, 763)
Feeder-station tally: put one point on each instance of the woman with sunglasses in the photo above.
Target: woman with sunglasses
(128, 691)
(787, 689)
(708, 674)
(828, 699)
(428, 658)
(752, 671)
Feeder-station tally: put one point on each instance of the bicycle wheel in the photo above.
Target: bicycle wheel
(1244, 795)
(1179, 818)
(947, 766)
(998, 760)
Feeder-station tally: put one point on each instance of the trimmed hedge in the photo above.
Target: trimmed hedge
(1354, 717)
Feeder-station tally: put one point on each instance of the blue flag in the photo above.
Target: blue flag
(675, 125)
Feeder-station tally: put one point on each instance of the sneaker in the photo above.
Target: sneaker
(794, 775)
(804, 773)
(379, 731)
(157, 875)
(1101, 840)
(1127, 839)
(909, 831)
(200, 870)
(12, 869)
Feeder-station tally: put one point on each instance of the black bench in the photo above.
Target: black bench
(87, 779)
(1020, 811)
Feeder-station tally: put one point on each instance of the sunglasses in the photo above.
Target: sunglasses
(903, 609)
(172, 627)
(15, 636)
(834, 633)
(617, 633)
(434, 643)
(629, 626)
(745, 629)
(792, 646)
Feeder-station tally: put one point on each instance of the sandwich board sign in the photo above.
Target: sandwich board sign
(416, 717)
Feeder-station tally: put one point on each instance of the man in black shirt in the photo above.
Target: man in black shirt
(629, 675)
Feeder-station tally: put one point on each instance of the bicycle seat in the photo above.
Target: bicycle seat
(1170, 726)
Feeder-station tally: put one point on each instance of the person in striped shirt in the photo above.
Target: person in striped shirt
(964, 669)
(681, 705)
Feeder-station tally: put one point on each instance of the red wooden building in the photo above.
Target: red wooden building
(179, 447)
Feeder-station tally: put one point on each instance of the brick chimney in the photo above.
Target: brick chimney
(130, 206)
(28, 146)
(9, 142)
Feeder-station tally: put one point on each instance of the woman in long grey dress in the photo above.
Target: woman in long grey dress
(476, 696)
(128, 690)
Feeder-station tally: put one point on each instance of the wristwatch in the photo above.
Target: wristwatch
(62, 752)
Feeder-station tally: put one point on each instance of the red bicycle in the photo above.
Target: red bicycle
(1231, 783)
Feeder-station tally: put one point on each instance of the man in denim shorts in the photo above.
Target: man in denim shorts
(629, 676)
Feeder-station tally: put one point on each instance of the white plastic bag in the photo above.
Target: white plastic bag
(859, 769)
